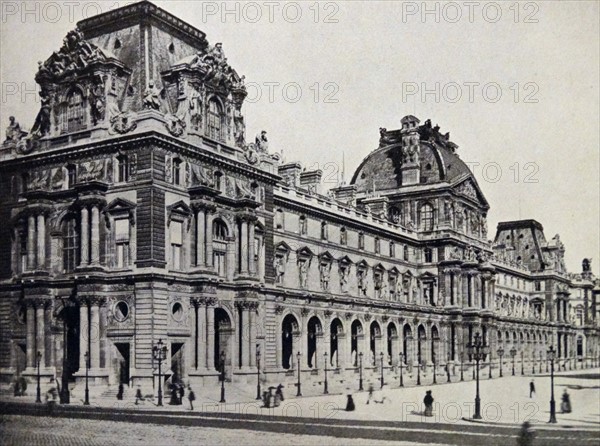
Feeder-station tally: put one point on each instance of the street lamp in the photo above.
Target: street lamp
(448, 368)
(381, 357)
(299, 392)
(513, 353)
(401, 364)
(325, 388)
(500, 355)
(222, 359)
(533, 364)
(462, 360)
(87, 389)
(38, 398)
(159, 353)
(477, 349)
(540, 363)
(551, 356)
(258, 396)
(360, 378)
(490, 362)
(522, 364)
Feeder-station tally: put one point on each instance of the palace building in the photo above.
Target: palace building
(136, 209)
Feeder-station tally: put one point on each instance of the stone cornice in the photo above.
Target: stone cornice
(145, 139)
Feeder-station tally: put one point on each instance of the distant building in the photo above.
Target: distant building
(136, 210)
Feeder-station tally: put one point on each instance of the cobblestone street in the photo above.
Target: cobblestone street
(45, 431)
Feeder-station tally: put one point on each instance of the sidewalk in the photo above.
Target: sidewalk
(503, 401)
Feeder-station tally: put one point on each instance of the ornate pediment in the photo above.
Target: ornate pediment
(468, 189)
(74, 57)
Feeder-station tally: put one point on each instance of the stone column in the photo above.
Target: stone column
(251, 265)
(209, 242)
(31, 353)
(252, 331)
(41, 242)
(342, 352)
(95, 236)
(210, 337)
(244, 248)
(84, 237)
(95, 333)
(49, 336)
(200, 237)
(83, 334)
(200, 334)
(244, 315)
(39, 332)
(31, 242)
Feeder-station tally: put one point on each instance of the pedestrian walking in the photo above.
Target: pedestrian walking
(138, 396)
(531, 389)
(526, 435)
(565, 405)
(350, 404)
(428, 401)
(120, 392)
(191, 397)
(279, 392)
(371, 390)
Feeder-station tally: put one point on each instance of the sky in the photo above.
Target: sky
(515, 83)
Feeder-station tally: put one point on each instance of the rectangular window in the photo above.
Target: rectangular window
(361, 241)
(123, 169)
(23, 250)
(392, 249)
(122, 243)
(377, 245)
(219, 262)
(176, 235)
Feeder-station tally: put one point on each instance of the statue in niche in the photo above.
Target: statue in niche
(379, 285)
(279, 268)
(97, 100)
(426, 295)
(303, 273)
(344, 274)
(362, 282)
(325, 270)
(152, 96)
(242, 188)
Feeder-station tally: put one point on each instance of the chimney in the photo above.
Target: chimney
(345, 194)
(290, 173)
(311, 180)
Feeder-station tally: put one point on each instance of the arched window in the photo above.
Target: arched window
(426, 214)
(220, 233)
(71, 251)
(214, 120)
(75, 113)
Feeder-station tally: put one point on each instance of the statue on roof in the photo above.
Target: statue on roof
(13, 131)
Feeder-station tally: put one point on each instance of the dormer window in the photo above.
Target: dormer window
(75, 113)
(214, 121)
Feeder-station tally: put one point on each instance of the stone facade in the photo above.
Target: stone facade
(136, 211)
